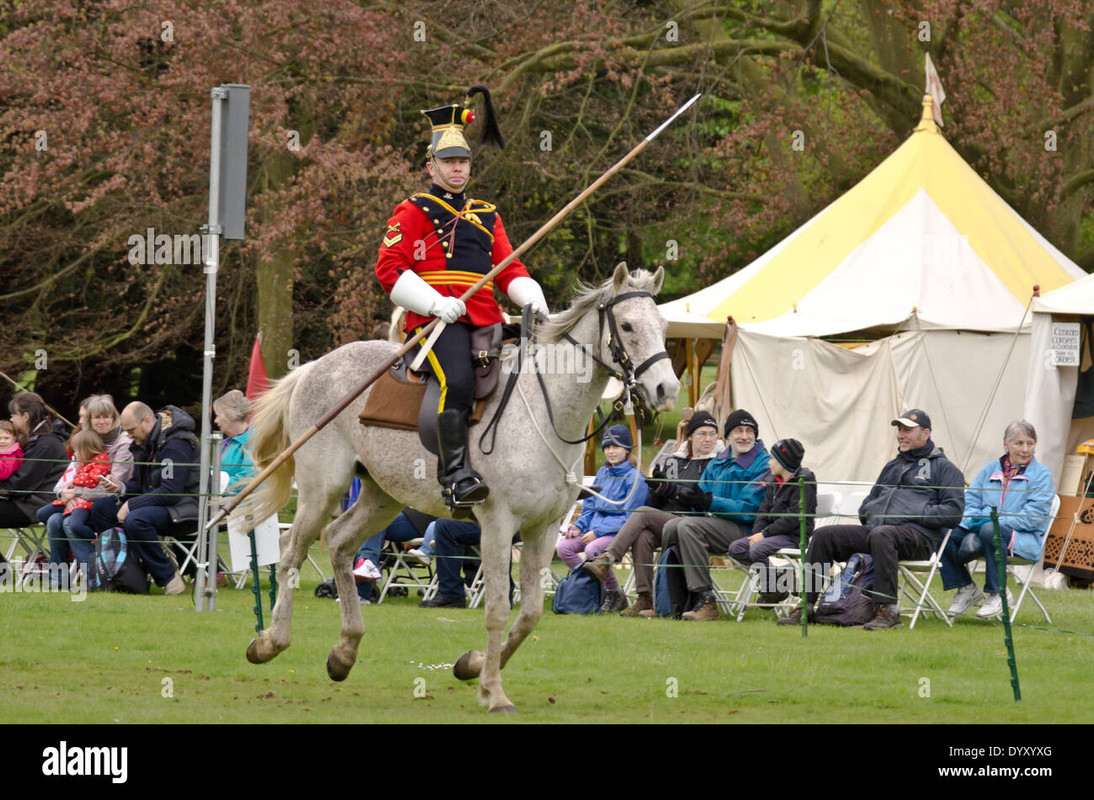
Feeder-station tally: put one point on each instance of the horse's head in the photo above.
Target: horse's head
(633, 336)
(620, 327)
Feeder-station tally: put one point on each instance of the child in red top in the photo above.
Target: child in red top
(67, 518)
(11, 453)
(90, 453)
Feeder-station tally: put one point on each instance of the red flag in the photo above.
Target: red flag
(257, 382)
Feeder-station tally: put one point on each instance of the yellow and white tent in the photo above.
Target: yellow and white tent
(921, 252)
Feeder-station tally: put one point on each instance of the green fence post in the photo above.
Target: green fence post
(1001, 566)
(802, 545)
(255, 585)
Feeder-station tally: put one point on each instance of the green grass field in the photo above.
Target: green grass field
(126, 659)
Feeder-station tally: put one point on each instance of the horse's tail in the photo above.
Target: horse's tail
(269, 439)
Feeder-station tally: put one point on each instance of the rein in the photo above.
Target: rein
(623, 370)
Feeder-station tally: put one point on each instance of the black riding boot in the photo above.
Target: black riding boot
(460, 485)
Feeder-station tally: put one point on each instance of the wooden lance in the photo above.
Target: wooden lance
(433, 329)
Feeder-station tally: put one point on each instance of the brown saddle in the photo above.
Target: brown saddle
(407, 401)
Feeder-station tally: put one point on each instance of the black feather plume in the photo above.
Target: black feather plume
(490, 130)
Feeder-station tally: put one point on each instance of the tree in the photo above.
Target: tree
(104, 111)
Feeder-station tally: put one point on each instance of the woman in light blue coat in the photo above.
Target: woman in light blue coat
(1021, 488)
(231, 413)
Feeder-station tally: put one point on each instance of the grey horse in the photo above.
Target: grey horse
(534, 476)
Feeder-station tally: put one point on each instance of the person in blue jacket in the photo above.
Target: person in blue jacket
(231, 413)
(727, 497)
(1021, 488)
(600, 520)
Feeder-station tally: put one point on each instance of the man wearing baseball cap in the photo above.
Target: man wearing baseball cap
(917, 496)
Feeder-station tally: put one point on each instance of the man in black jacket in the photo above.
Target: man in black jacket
(918, 495)
(161, 497)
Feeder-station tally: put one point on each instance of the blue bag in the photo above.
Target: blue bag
(671, 597)
(114, 568)
(846, 603)
(578, 593)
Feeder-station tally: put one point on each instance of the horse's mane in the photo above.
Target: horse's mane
(588, 297)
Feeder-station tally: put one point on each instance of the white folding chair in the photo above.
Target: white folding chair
(785, 558)
(32, 540)
(908, 570)
(1028, 568)
(404, 570)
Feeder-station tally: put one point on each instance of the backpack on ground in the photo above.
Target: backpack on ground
(114, 568)
(671, 597)
(846, 603)
(578, 593)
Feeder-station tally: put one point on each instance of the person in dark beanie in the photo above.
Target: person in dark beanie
(725, 499)
(777, 523)
(601, 519)
(671, 488)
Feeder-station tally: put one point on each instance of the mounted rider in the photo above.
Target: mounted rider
(437, 244)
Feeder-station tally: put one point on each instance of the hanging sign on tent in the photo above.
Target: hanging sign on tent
(1065, 344)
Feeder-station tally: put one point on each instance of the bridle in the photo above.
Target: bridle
(622, 370)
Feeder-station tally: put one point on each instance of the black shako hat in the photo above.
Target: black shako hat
(447, 139)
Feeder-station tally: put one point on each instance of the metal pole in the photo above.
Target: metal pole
(204, 597)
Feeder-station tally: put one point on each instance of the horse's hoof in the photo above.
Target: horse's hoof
(336, 669)
(507, 709)
(252, 652)
(462, 668)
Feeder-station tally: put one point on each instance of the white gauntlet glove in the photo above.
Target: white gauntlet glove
(448, 309)
(414, 294)
(524, 291)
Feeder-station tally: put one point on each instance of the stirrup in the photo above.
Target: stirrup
(474, 491)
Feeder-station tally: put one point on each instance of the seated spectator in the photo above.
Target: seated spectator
(453, 541)
(99, 415)
(104, 419)
(728, 494)
(917, 496)
(777, 522)
(66, 518)
(161, 497)
(409, 525)
(231, 414)
(601, 520)
(672, 490)
(44, 460)
(11, 452)
(1021, 488)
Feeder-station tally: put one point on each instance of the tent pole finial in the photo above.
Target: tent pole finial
(926, 121)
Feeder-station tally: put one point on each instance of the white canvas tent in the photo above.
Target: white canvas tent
(928, 264)
(1051, 389)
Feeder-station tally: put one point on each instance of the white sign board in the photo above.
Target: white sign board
(267, 542)
(1065, 344)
